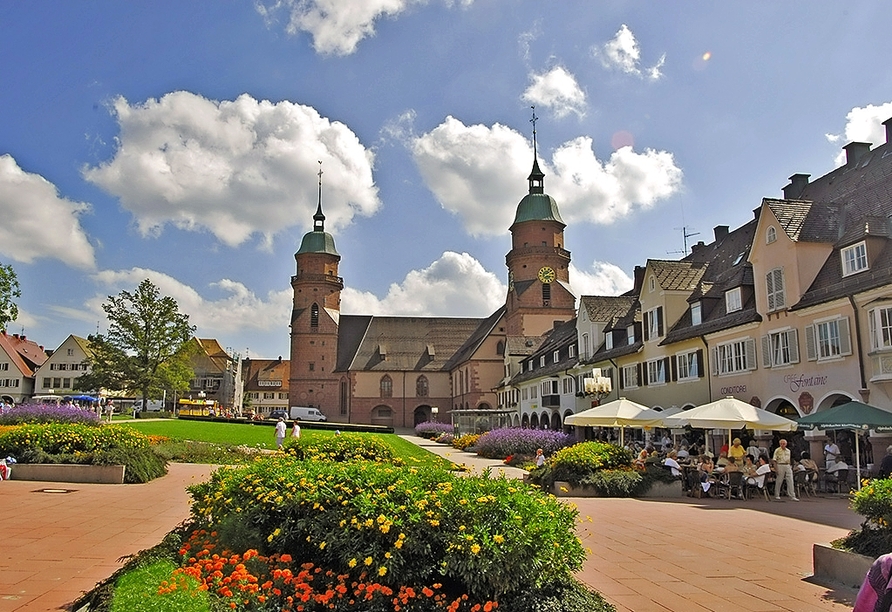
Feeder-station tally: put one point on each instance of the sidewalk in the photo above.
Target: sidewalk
(689, 555)
(55, 546)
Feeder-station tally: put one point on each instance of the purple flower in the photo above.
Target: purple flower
(499, 443)
(432, 430)
(48, 413)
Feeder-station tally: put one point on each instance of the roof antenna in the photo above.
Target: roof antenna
(685, 235)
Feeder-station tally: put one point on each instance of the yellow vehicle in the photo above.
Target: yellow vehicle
(204, 407)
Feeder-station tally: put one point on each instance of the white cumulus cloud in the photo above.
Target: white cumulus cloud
(37, 222)
(557, 90)
(237, 310)
(623, 53)
(234, 168)
(454, 285)
(603, 278)
(863, 124)
(337, 27)
(480, 174)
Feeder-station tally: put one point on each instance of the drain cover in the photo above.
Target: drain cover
(55, 491)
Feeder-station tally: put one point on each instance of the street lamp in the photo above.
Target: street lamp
(597, 385)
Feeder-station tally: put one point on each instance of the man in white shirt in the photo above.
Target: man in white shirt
(784, 467)
(280, 433)
(831, 452)
(672, 464)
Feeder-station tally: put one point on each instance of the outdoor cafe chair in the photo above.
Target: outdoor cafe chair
(749, 486)
(732, 485)
(803, 482)
(839, 480)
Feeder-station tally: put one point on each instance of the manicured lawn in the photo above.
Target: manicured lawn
(263, 436)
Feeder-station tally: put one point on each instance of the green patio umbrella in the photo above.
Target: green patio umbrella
(853, 415)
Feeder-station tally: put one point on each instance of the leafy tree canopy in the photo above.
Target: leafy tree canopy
(146, 348)
(9, 291)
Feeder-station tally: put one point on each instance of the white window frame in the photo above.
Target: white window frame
(854, 258)
(585, 353)
(880, 322)
(608, 340)
(549, 387)
(656, 371)
(696, 313)
(630, 373)
(780, 348)
(734, 357)
(630, 332)
(556, 356)
(770, 234)
(687, 366)
(733, 301)
(542, 361)
(653, 321)
(775, 287)
(571, 351)
(828, 339)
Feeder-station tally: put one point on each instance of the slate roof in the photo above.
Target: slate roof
(806, 221)
(677, 275)
(558, 339)
(407, 342)
(607, 309)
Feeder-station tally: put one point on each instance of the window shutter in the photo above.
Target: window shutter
(659, 314)
(845, 337)
(715, 361)
(750, 352)
(811, 350)
(779, 299)
(766, 352)
(667, 366)
(673, 364)
(769, 286)
(701, 369)
(642, 380)
(793, 341)
(622, 378)
(645, 332)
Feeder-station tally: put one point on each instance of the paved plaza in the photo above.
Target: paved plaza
(679, 555)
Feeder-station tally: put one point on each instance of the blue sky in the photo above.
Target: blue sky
(180, 142)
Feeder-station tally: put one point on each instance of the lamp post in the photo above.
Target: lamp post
(597, 386)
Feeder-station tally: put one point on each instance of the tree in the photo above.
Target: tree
(146, 348)
(9, 290)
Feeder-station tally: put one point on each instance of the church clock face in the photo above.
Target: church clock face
(546, 275)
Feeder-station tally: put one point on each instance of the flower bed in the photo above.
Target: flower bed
(432, 430)
(874, 502)
(505, 441)
(48, 413)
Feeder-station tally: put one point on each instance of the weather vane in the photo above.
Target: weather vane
(533, 121)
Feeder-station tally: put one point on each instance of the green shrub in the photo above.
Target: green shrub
(141, 464)
(189, 451)
(874, 503)
(477, 535)
(617, 483)
(345, 447)
(570, 596)
(576, 463)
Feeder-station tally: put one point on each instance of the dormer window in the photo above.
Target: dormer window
(542, 361)
(732, 300)
(608, 340)
(854, 258)
(770, 234)
(630, 330)
(696, 314)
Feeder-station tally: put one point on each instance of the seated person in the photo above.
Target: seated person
(705, 469)
(886, 464)
(641, 460)
(683, 452)
(723, 459)
(758, 477)
(807, 464)
(833, 468)
(652, 459)
(671, 462)
(731, 466)
(753, 450)
(737, 451)
(749, 466)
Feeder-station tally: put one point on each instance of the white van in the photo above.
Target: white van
(306, 414)
(150, 406)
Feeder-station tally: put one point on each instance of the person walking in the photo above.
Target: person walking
(280, 433)
(295, 429)
(783, 465)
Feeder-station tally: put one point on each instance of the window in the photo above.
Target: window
(854, 258)
(66, 383)
(283, 396)
(653, 283)
(780, 348)
(268, 395)
(774, 285)
(656, 372)
(770, 234)
(880, 320)
(57, 382)
(629, 376)
(542, 361)
(585, 346)
(688, 365)
(828, 339)
(732, 300)
(567, 385)
(70, 352)
(4, 367)
(556, 356)
(314, 315)
(696, 314)
(546, 293)
(312, 366)
(571, 351)
(386, 386)
(421, 386)
(534, 392)
(62, 366)
(653, 323)
(733, 357)
(46, 383)
(630, 330)
(342, 400)
(525, 393)
(549, 387)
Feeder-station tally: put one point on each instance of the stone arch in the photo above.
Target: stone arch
(484, 406)
(422, 414)
(525, 421)
(556, 421)
(382, 415)
(834, 398)
(515, 421)
(534, 421)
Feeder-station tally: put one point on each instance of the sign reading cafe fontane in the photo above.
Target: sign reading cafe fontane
(801, 381)
(269, 383)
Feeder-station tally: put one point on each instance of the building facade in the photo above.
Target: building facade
(266, 385)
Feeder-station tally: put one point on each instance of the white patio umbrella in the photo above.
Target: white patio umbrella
(620, 413)
(730, 413)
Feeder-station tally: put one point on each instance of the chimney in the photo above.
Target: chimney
(700, 245)
(888, 124)
(796, 186)
(855, 151)
(639, 276)
(720, 232)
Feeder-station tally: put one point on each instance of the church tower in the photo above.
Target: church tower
(538, 265)
(314, 318)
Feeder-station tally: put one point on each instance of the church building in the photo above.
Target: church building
(400, 371)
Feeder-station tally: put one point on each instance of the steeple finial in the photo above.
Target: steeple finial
(319, 218)
(537, 177)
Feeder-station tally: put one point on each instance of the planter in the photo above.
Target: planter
(664, 489)
(835, 566)
(657, 490)
(62, 472)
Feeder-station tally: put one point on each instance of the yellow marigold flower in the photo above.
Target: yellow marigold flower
(398, 544)
(498, 539)
(434, 523)
(367, 561)
(385, 528)
(351, 562)
(387, 555)
(322, 546)
(461, 527)
(475, 548)
(382, 570)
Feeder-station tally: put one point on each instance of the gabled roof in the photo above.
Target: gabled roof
(557, 339)
(806, 221)
(607, 309)
(467, 350)
(677, 275)
(26, 354)
(272, 370)
(370, 343)
(218, 357)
